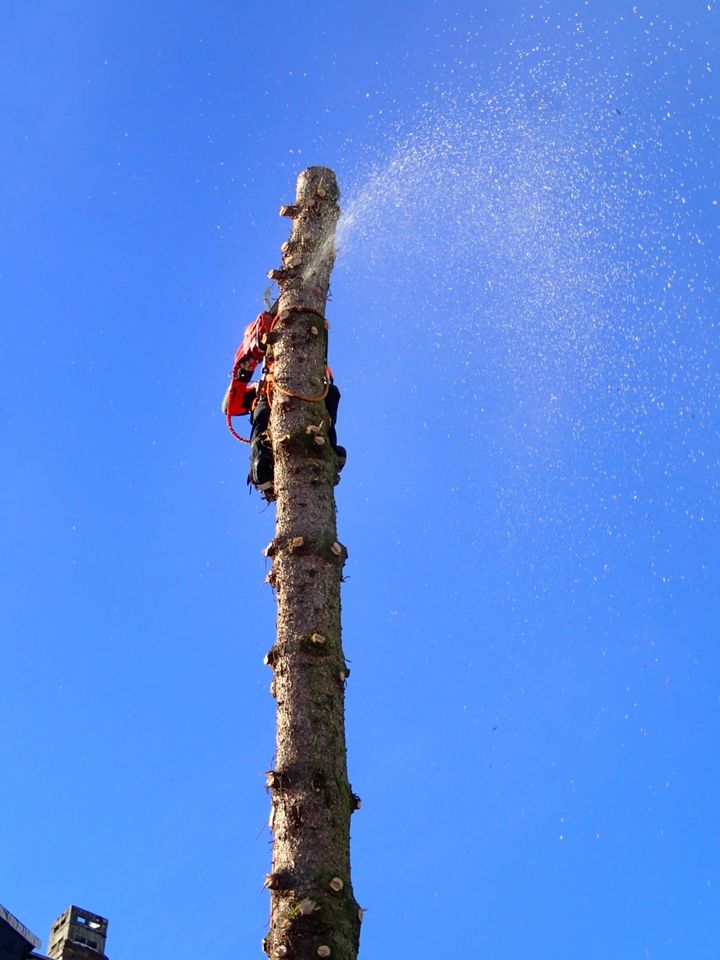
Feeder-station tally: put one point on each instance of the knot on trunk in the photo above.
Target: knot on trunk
(317, 644)
(279, 881)
(277, 780)
(271, 657)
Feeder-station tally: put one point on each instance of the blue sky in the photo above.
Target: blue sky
(523, 327)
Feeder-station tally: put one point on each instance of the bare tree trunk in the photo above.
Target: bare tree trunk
(313, 910)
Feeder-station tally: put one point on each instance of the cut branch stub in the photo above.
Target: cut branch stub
(317, 644)
(271, 656)
(271, 337)
(276, 780)
(337, 551)
(278, 881)
(280, 274)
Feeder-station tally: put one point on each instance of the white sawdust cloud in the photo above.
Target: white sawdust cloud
(551, 220)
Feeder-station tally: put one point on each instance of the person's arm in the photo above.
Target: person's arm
(240, 394)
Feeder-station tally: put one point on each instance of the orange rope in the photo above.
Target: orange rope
(287, 310)
(230, 427)
(298, 396)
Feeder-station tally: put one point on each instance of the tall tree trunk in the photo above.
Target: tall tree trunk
(313, 910)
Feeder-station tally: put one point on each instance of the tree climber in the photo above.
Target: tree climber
(243, 397)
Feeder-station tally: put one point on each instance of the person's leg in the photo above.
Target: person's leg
(261, 462)
(332, 402)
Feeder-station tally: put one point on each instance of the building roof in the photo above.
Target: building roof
(15, 938)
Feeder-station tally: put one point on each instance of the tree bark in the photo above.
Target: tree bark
(313, 911)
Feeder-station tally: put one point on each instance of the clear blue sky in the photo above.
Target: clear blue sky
(524, 331)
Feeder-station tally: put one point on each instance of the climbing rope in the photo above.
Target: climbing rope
(315, 313)
(274, 385)
(230, 427)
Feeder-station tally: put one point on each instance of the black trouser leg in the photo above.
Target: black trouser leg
(261, 462)
(332, 402)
